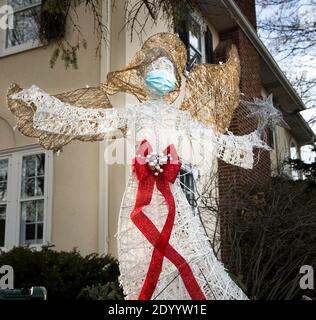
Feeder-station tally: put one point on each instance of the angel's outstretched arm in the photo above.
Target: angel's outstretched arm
(239, 150)
(232, 149)
(84, 114)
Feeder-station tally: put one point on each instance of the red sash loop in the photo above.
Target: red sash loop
(146, 181)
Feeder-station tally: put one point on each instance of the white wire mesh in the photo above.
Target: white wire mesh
(188, 238)
(161, 64)
(162, 125)
(55, 116)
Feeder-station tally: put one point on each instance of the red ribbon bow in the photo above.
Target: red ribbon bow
(162, 248)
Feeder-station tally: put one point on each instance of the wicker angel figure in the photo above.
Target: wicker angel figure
(163, 250)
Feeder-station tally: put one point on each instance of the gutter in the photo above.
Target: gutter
(307, 128)
(251, 34)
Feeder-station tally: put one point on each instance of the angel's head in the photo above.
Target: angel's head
(156, 68)
(160, 77)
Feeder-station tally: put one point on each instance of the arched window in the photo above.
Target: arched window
(294, 154)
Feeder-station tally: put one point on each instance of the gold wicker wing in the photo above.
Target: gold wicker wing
(212, 92)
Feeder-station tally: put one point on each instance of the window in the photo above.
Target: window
(195, 42)
(187, 184)
(294, 151)
(25, 198)
(198, 39)
(32, 199)
(267, 135)
(24, 34)
(270, 138)
(4, 165)
(294, 154)
(187, 180)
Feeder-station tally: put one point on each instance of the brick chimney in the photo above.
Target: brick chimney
(248, 7)
(233, 179)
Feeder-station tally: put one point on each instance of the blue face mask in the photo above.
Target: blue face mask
(160, 82)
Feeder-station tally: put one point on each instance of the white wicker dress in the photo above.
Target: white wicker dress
(161, 125)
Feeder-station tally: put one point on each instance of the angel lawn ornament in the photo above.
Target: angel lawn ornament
(163, 249)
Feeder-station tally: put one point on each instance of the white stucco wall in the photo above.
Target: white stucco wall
(75, 194)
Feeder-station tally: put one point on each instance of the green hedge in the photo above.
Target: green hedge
(65, 275)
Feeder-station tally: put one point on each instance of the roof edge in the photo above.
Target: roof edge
(308, 129)
(252, 35)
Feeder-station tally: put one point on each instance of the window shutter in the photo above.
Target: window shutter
(208, 46)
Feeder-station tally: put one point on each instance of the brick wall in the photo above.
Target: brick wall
(232, 179)
(248, 7)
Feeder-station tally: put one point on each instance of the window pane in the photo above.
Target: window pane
(293, 151)
(30, 232)
(40, 231)
(25, 28)
(195, 35)
(29, 165)
(40, 164)
(294, 155)
(4, 170)
(40, 187)
(34, 165)
(20, 4)
(187, 184)
(28, 188)
(32, 211)
(40, 211)
(196, 56)
(3, 179)
(270, 138)
(33, 170)
(28, 210)
(32, 216)
(3, 191)
(2, 224)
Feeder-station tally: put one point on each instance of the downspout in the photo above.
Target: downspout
(103, 220)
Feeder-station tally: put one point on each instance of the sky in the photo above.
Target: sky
(305, 63)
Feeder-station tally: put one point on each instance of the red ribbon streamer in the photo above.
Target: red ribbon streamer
(160, 241)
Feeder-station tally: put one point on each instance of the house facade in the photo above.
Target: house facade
(73, 199)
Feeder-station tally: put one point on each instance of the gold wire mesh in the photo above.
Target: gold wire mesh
(85, 98)
(212, 92)
(131, 79)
